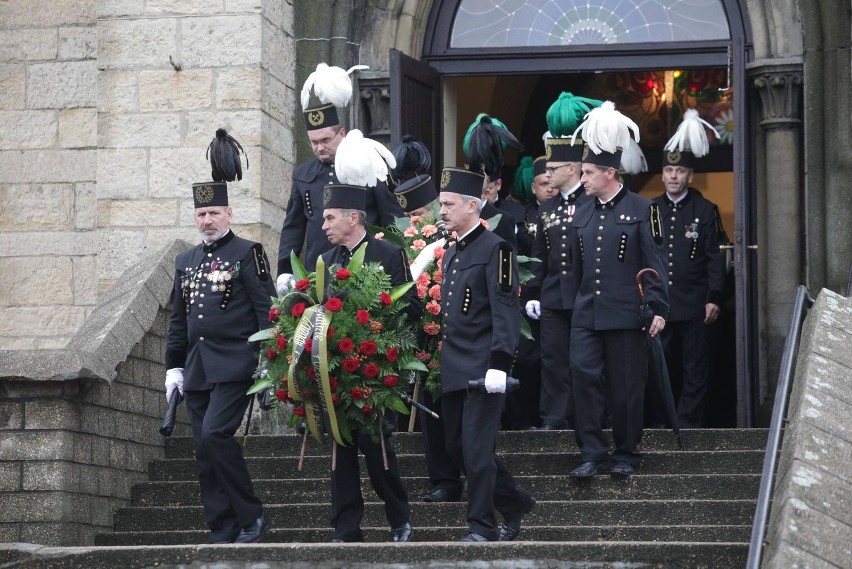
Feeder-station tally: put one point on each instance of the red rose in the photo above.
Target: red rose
(342, 274)
(390, 380)
(332, 383)
(367, 409)
(309, 344)
(345, 345)
(334, 304)
(330, 332)
(271, 353)
(309, 371)
(356, 393)
(281, 343)
(368, 347)
(299, 411)
(392, 354)
(350, 365)
(370, 370)
(298, 309)
(335, 399)
(385, 299)
(281, 394)
(303, 285)
(274, 313)
(362, 316)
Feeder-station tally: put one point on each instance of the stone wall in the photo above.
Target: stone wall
(810, 523)
(79, 425)
(48, 137)
(105, 114)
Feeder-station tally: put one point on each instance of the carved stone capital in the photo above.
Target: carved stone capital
(373, 105)
(779, 83)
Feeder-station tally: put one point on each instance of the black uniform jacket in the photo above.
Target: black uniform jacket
(505, 228)
(612, 243)
(692, 232)
(479, 299)
(303, 220)
(393, 260)
(552, 282)
(221, 296)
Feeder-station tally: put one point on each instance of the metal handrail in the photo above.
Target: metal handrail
(801, 305)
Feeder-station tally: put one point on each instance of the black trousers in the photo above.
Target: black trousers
(470, 426)
(442, 470)
(692, 339)
(614, 363)
(556, 405)
(347, 503)
(227, 493)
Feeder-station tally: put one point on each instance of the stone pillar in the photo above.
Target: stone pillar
(779, 84)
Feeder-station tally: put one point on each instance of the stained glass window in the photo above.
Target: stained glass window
(517, 23)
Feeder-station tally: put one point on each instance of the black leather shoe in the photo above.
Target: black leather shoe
(255, 531)
(440, 494)
(221, 541)
(587, 470)
(403, 533)
(472, 536)
(510, 528)
(622, 468)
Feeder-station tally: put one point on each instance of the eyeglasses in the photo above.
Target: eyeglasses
(325, 141)
(552, 169)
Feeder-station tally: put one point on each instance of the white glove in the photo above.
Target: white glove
(533, 308)
(424, 257)
(174, 380)
(284, 283)
(495, 381)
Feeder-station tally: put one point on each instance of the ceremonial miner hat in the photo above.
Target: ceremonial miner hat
(563, 117)
(606, 132)
(412, 159)
(210, 194)
(539, 165)
(223, 152)
(564, 150)
(483, 145)
(462, 181)
(416, 193)
(689, 141)
(344, 196)
(332, 86)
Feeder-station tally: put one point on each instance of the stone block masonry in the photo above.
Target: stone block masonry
(78, 426)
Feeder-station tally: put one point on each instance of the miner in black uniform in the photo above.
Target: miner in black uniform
(344, 225)
(445, 478)
(303, 220)
(696, 278)
(614, 237)
(479, 300)
(552, 290)
(221, 296)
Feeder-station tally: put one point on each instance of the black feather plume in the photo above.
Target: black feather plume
(484, 146)
(412, 159)
(224, 155)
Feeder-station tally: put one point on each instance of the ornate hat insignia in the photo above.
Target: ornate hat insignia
(445, 179)
(548, 152)
(204, 194)
(585, 152)
(326, 195)
(316, 118)
(402, 200)
(673, 156)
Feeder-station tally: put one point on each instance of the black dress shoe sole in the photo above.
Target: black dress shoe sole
(264, 529)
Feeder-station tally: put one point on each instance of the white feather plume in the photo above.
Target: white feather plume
(606, 130)
(330, 85)
(633, 159)
(361, 161)
(545, 136)
(690, 135)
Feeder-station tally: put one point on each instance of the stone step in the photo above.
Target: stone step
(452, 515)
(530, 555)
(520, 464)
(711, 533)
(507, 441)
(642, 487)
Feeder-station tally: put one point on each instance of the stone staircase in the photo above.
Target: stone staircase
(688, 508)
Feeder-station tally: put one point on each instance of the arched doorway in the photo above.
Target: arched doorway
(511, 58)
